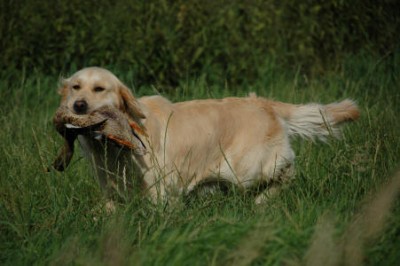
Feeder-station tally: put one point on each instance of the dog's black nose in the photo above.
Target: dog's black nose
(80, 107)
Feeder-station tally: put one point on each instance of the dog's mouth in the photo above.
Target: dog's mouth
(106, 124)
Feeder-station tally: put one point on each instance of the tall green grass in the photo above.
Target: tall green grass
(56, 218)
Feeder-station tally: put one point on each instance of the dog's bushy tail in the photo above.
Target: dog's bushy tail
(316, 121)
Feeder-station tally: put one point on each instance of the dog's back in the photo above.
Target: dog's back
(241, 140)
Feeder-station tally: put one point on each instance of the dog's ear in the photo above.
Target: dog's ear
(129, 104)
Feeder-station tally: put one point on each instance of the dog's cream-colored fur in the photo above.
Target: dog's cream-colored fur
(245, 141)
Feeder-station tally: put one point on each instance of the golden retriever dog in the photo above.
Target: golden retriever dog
(244, 141)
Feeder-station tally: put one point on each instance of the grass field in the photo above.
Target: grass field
(343, 208)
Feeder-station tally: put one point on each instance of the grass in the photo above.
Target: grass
(55, 218)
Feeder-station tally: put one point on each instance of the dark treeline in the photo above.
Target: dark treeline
(165, 42)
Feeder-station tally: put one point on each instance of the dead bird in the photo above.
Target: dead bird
(104, 124)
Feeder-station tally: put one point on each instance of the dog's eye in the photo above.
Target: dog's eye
(98, 89)
(76, 87)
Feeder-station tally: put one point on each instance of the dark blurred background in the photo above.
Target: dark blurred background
(164, 42)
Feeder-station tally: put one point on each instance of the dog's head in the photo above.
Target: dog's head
(92, 88)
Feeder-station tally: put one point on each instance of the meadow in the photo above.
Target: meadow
(342, 209)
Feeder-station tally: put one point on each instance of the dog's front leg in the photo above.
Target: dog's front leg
(155, 187)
